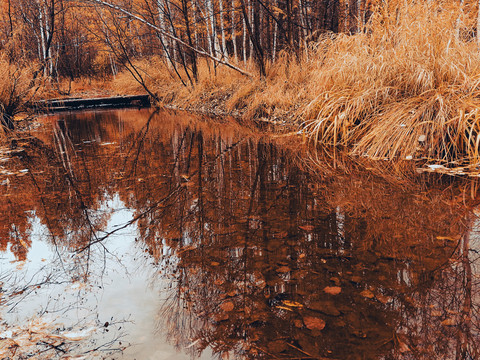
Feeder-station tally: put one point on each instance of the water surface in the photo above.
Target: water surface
(139, 235)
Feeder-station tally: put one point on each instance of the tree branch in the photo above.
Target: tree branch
(174, 38)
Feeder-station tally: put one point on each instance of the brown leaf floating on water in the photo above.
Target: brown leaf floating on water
(307, 227)
(333, 290)
(314, 323)
(227, 306)
(367, 294)
(449, 322)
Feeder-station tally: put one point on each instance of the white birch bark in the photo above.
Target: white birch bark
(195, 22)
(48, 52)
(234, 39)
(213, 27)
(459, 21)
(170, 36)
(161, 21)
(359, 15)
(275, 31)
(244, 41)
(42, 31)
(222, 30)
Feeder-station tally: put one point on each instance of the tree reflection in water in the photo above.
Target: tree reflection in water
(270, 251)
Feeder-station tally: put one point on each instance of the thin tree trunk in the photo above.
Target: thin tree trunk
(254, 35)
(275, 34)
(222, 30)
(10, 21)
(360, 15)
(213, 27)
(193, 55)
(161, 19)
(234, 39)
(244, 41)
(170, 36)
(304, 27)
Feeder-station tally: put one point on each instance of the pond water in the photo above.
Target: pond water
(130, 234)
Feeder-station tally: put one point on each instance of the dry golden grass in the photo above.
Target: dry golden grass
(220, 88)
(81, 87)
(408, 86)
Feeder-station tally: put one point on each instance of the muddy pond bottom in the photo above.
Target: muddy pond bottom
(134, 234)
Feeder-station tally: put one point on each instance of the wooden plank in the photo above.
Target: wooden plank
(79, 103)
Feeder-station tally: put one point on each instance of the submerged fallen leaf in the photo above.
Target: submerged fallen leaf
(283, 269)
(449, 322)
(307, 227)
(298, 323)
(333, 290)
(314, 323)
(383, 299)
(227, 306)
(367, 294)
(450, 238)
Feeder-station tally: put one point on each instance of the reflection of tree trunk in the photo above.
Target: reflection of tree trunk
(462, 351)
(201, 225)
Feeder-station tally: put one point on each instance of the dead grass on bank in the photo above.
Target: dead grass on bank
(221, 89)
(15, 88)
(407, 87)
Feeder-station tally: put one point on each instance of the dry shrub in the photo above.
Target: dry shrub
(15, 86)
(408, 86)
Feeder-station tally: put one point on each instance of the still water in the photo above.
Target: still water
(133, 234)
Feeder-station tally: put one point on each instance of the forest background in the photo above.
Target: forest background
(396, 79)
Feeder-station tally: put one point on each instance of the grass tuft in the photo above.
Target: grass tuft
(406, 87)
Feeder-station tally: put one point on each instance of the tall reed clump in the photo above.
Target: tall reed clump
(15, 85)
(408, 86)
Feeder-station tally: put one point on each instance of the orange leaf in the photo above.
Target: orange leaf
(333, 290)
(314, 323)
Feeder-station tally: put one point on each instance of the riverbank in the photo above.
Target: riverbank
(406, 88)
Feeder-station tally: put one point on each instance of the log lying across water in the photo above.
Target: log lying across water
(54, 105)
